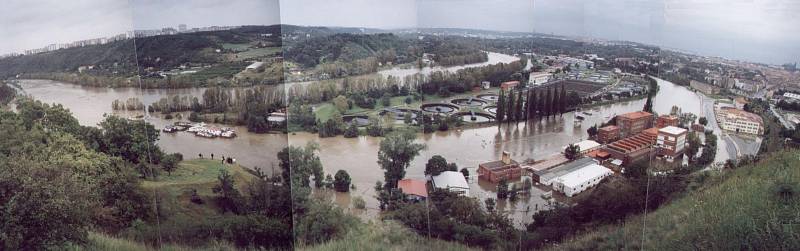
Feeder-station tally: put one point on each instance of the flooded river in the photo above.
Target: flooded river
(472, 146)
(358, 156)
(90, 104)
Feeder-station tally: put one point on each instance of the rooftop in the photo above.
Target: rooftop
(672, 130)
(565, 168)
(414, 187)
(741, 114)
(636, 142)
(498, 164)
(586, 173)
(448, 179)
(586, 145)
(636, 115)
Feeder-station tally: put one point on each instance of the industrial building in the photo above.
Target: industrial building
(633, 123)
(546, 177)
(581, 179)
(666, 120)
(671, 142)
(739, 121)
(503, 169)
(633, 149)
(607, 134)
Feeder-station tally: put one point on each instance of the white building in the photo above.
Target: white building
(548, 176)
(538, 78)
(585, 146)
(791, 96)
(254, 66)
(739, 121)
(579, 180)
(451, 181)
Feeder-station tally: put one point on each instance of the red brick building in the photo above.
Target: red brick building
(633, 123)
(509, 85)
(635, 148)
(666, 120)
(505, 168)
(607, 134)
(698, 128)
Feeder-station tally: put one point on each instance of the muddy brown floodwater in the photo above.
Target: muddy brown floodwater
(358, 156)
(90, 104)
(471, 146)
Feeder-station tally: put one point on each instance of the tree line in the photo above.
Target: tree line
(534, 103)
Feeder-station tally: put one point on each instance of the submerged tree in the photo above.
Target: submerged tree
(395, 155)
(572, 152)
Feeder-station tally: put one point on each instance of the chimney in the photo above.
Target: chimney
(506, 158)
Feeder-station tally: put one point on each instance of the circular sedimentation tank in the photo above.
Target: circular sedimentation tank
(475, 117)
(489, 96)
(439, 108)
(360, 120)
(491, 109)
(469, 102)
(400, 113)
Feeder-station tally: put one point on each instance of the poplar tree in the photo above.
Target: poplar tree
(548, 102)
(556, 101)
(510, 108)
(563, 106)
(518, 111)
(528, 105)
(500, 112)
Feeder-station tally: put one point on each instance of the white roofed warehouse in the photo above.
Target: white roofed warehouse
(579, 180)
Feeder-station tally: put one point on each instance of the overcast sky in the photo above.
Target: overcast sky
(756, 30)
(156, 14)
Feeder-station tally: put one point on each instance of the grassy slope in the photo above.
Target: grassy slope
(741, 211)
(201, 174)
(174, 193)
(99, 242)
(385, 236)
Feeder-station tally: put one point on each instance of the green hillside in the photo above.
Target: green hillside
(385, 236)
(755, 207)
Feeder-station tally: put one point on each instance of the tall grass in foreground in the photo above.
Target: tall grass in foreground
(756, 207)
(99, 241)
(387, 235)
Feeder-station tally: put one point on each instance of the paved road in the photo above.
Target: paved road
(725, 149)
(785, 123)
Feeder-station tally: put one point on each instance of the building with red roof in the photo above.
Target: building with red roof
(666, 120)
(633, 123)
(635, 148)
(413, 189)
(509, 85)
(607, 134)
(503, 169)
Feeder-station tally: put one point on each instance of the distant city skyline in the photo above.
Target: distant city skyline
(758, 31)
